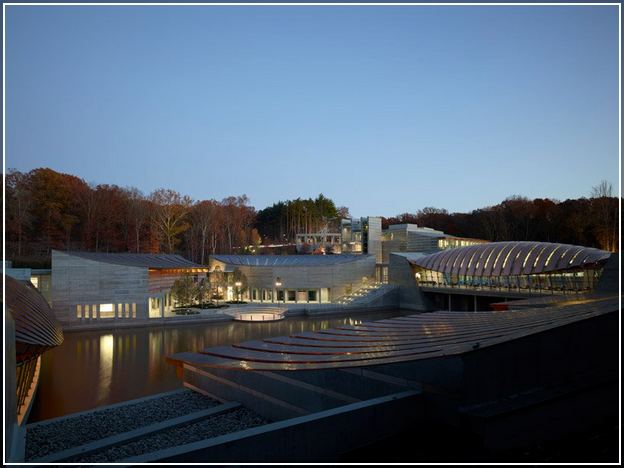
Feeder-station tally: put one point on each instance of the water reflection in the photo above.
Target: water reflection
(106, 367)
(96, 368)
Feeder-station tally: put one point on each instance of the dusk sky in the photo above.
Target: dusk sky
(383, 109)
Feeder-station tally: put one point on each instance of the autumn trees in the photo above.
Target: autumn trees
(50, 210)
(584, 221)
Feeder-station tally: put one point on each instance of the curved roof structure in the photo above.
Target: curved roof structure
(399, 339)
(510, 258)
(154, 261)
(287, 260)
(36, 327)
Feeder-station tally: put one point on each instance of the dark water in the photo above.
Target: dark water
(96, 368)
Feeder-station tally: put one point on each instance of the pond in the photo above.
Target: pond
(97, 368)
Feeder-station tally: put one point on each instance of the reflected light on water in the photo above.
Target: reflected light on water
(96, 368)
(106, 367)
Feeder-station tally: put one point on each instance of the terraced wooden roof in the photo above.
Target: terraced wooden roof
(405, 338)
(510, 258)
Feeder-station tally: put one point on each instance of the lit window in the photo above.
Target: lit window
(470, 262)
(79, 311)
(86, 315)
(526, 259)
(35, 281)
(120, 310)
(487, 260)
(550, 256)
(107, 311)
(497, 257)
(507, 257)
(538, 257)
(134, 310)
(575, 255)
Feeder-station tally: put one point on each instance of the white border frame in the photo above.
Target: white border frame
(4, 7)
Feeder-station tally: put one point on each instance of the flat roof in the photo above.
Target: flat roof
(154, 261)
(288, 260)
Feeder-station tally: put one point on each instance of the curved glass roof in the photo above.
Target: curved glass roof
(510, 258)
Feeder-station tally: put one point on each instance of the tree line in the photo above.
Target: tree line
(592, 221)
(281, 222)
(48, 210)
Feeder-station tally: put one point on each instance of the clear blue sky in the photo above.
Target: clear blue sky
(383, 109)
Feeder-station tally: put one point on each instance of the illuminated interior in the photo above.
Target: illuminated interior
(523, 266)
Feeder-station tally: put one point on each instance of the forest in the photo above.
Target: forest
(46, 210)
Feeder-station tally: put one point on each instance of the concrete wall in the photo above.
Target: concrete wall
(336, 277)
(609, 280)
(408, 240)
(374, 238)
(400, 274)
(79, 281)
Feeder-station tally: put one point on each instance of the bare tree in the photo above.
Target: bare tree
(18, 204)
(606, 209)
(203, 215)
(138, 212)
(170, 213)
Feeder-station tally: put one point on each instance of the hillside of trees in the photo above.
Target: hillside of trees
(592, 222)
(48, 210)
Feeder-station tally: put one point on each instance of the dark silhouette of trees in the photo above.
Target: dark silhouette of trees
(281, 222)
(48, 210)
(591, 222)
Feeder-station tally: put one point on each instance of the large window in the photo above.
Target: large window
(154, 307)
(107, 311)
(79, 311)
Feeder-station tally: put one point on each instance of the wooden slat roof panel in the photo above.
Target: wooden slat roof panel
(414, 337)
(36, 327)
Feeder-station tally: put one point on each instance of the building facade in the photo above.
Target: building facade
(101, 288)
(412, 238)
(294, 279)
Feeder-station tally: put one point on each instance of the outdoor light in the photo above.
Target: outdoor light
(238, 284)
(278, 282)
(417, 276)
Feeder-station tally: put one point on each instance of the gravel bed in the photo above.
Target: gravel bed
(45, 439)
(232, 421)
